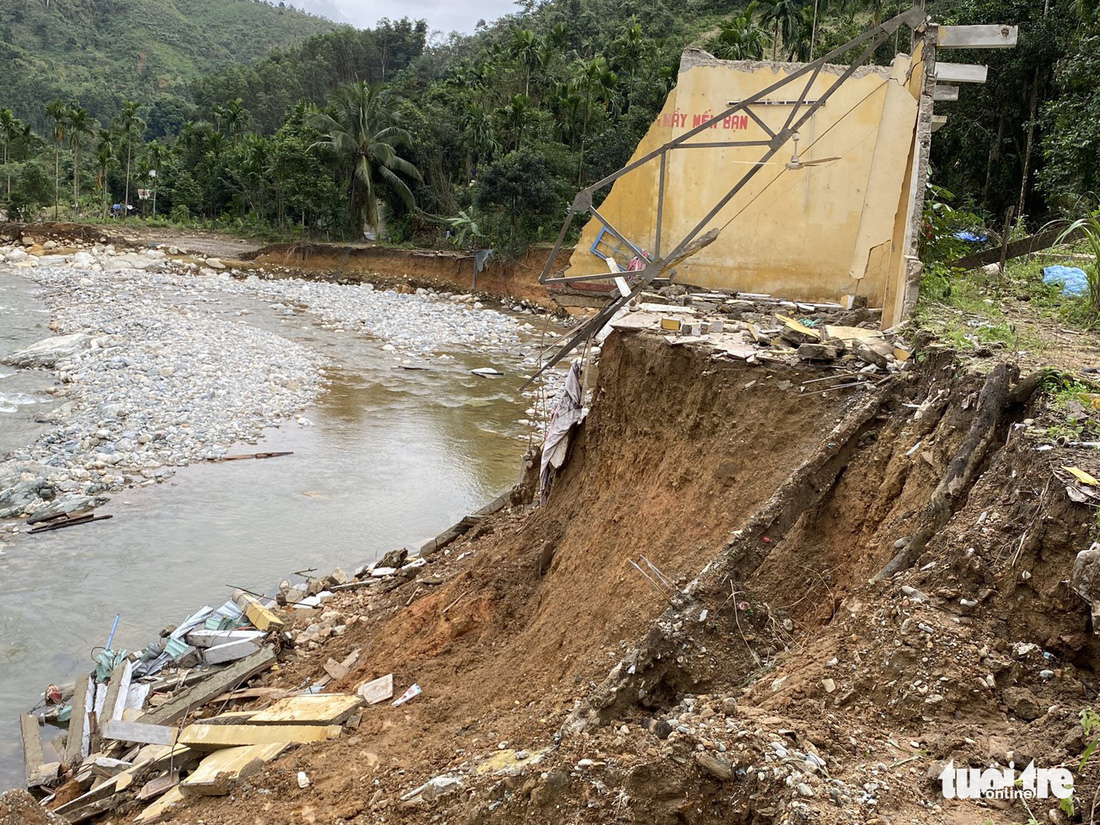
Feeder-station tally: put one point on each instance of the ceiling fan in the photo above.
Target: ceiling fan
(797, 163)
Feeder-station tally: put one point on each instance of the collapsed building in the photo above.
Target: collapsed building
(799, 180)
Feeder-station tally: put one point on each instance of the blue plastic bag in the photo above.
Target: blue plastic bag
(1073, 280)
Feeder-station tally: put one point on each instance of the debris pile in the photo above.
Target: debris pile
(150, 726)
(759, 329)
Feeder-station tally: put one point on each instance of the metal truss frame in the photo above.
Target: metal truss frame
(802, 109)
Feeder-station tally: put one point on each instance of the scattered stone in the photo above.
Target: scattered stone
(1023, 703)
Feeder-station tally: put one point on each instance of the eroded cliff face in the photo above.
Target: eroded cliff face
(696, 627)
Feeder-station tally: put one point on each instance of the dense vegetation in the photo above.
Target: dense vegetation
(101, 52)
(487, 136)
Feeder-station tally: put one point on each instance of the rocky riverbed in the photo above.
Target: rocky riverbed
(158, 365)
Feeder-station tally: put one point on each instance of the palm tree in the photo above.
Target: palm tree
(786, 16)
(233, 118)
(362, 134)
(10, 131)
(128, 123)
(104, 160)
(526, 48)
(58, 112)
(516, 114)
(479, 137)
(598, 82)
(80, 126)
(741, 38)
(631, 49)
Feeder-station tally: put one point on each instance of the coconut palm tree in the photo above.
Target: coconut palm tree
(129, 124)
(80, 125)
(360, 130)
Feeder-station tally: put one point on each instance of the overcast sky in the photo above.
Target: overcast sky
(446, 15)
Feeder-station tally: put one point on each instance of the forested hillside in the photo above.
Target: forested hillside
(482, 137)
(100, 52)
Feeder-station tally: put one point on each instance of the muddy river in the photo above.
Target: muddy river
(393, 456)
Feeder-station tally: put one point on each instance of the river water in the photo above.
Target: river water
(393, 457)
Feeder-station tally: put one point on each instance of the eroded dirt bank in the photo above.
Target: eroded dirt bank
(515, 279)
(779, 684)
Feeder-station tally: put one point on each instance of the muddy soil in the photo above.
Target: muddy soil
(771, 679)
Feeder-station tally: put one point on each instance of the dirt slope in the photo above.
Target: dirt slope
(780, 684)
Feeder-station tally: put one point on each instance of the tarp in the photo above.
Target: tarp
(567, 413)
(1073, 280)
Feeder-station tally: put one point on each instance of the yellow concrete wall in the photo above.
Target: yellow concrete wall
(817, 233)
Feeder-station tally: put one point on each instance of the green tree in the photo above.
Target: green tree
(741, 37)
(129, 125)
(58, 113)
(360, 131)
(10, 131)
(104, 161)
(527, 49)
(786, 18)
(522, 185)
(80, 126)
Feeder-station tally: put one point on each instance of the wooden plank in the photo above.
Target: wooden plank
(78, 722)
(39, 771)
(942, 91)
(319, 709)
(938, 122)
(960, 73)
(220, 771)
(221, 682)
(213, 737)
(213, 638)
(977, 37)
(261, 617)
(117, 730)
(229, 652)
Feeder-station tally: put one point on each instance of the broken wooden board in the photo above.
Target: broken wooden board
(214, 737)
(319, 709)
(78, 739)
(212, 638)
(160, 808)
(140, 732)
(215, 685)
(229, 652)
(220, 771)
(377, 690)
(262, 618)
(39, 771)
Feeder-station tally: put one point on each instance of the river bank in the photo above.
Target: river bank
(150, 379)
(374, 436)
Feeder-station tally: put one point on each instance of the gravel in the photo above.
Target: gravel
(160, 380)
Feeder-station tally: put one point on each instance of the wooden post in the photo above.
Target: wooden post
(1004, 236)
